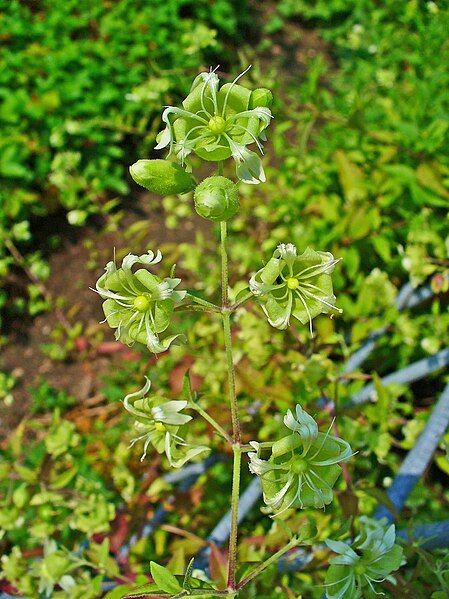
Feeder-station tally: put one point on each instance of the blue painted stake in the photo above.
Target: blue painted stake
(414, 372)
(418, 458)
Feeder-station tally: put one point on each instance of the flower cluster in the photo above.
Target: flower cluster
(158, 421)
(218, 123)
(139, 304)
(303, 466)
(291, 285)
(368, 560)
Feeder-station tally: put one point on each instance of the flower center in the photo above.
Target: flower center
(217, 125)
(359, 569)
(299, 466)
(159, 427)
(292, 283)
(141, 303)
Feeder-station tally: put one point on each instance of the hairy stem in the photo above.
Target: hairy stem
(224, 264)
(226, 317)
(194, 308)
(234, 515)
(271, 560)
(236, 437)
(202, 302)
(242, 300)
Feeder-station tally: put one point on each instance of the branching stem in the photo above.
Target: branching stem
(242, 300)
(211, 421)
(202, 302)
(271, 560)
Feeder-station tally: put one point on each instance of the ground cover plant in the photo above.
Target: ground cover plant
(80, 81)
(344, 173)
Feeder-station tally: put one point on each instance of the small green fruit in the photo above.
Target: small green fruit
(162, 177)
(216, 198)
(217, 125)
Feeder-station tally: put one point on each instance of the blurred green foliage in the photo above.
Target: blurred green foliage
(81, 84)
(360, 168)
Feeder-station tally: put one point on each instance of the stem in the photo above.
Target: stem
(234, 515)
(211, 421)
(226, 317)
(194, 308)
(203, 302)
(224, 264)
(261, 567)
(242, 300)
(236, 437)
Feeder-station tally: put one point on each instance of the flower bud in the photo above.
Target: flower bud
(216, 198)
(162, 177)
(261, 97)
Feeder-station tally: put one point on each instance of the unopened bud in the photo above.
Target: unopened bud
(162, 177)
(261, 97)
(216, 198)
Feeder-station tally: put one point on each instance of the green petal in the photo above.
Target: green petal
(115, 313)
(147, 279)
(329, 476)
(340, 583)
(192, 102)
(286, 445)
(270, 272)
(114, 283)
(389, 562)
(278, 314)
(238, 98)
(248, 167)
(214, 155)
(162, 314)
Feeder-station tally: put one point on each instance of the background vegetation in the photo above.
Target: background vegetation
(358, 166)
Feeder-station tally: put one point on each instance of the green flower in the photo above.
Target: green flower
(299, 286)
(369, 559)
(53, 569)
(303, 466)
(158, 421)
(93, 514)
(218, 123)
(139, 304)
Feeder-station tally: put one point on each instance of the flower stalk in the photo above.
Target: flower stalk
(236, 435)
(300, 469)
(264, 565)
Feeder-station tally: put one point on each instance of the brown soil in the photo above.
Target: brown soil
(72, 273)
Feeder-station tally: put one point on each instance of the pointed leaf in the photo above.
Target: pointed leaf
(164, 578)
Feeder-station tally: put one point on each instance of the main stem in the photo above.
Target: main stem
(232, 563)
(236, 437)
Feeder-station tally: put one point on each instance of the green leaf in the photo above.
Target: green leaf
(429, 177)
(164, 579)
(382, 247)
(352, 179)
(187, 391)
(188, 575)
